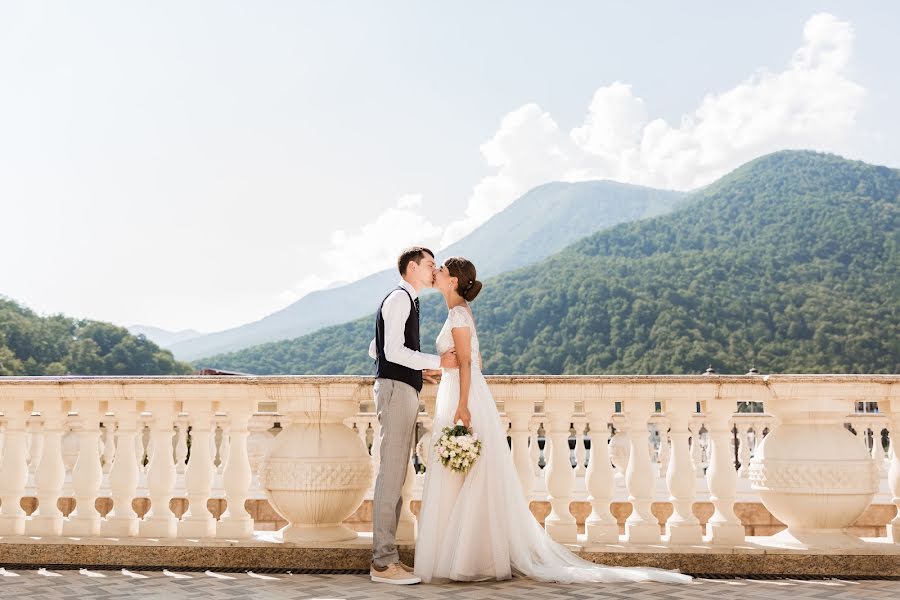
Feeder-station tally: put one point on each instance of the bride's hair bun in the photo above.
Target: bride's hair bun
(473, 290)
(467, 285)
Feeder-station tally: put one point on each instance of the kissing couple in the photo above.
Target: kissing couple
(473, 526)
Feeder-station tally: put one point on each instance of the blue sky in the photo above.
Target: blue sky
(201, 164)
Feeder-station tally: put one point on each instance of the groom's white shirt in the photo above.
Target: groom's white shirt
(395, 312)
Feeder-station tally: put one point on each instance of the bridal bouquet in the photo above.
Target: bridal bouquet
(458, 448)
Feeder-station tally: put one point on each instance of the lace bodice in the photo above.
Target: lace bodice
(459, 316)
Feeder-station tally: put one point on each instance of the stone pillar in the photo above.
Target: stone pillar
(47, 520)
(723, 527)
(601, 525)
(13, 465)
(197, 521)
(560, 405)
(682, 527)
(160, 521)
(580, 452)
(239, 405)
(641, 526)
(122, 521)
(520, 410)
(87, 473)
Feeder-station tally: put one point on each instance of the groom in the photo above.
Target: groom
(399, 367)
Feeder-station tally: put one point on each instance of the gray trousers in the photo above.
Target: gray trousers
(397, 404)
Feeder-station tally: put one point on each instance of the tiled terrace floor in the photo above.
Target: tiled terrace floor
(72, 584)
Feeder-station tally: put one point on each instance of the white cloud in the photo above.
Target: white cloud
(810, 104)
(529, 149)
(371, 248)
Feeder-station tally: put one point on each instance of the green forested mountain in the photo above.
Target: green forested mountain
(539, 223)
(57, 345)
(791, 263)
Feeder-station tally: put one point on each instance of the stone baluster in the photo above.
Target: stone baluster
(560, 404)
(877, 452)
(140, 449)
(428, 398)
(122, 521)
(723, 527)
(69, 448)
(641, 526)
(601, 525)
(424, 447)
(224, 447)
(13, 463)
(239, 406)
(580, 424)
(886, 457)
(109, 443)
(534, 447)
(619, 450)
(215, 432)
(744, 450)
(181, 446)
(682, 527)
(88, 472)
(160, 521)
(47, 520)
(197, 521)
(35, 428)
(520, 410)
(664, 456)
(862, 432)
(697, 450)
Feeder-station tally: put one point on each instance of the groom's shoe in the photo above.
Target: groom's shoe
(405, 567)
(394, 573)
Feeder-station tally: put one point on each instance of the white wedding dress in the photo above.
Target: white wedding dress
(478, 526)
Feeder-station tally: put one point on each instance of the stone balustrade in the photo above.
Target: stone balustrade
(310, 446)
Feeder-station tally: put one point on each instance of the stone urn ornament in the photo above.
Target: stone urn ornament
(317, 470)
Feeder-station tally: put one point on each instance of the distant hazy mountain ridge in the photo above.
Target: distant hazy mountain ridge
(163, 337)
(543, 221)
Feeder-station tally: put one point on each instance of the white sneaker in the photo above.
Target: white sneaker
(394, 574)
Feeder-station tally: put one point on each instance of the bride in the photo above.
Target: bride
(478, 526)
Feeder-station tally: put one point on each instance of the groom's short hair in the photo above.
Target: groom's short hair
(413, 254)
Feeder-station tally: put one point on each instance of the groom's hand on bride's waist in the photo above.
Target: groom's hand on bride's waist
(431, 375)
(448, 360)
